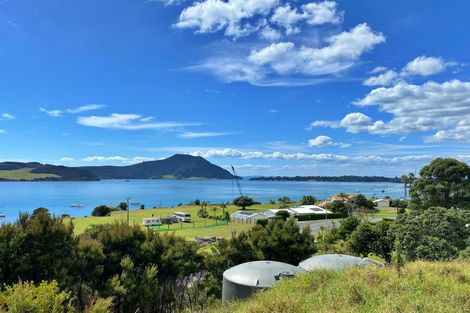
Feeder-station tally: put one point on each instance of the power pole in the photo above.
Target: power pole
(128, 208)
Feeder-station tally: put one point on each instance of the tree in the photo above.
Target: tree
(142, 206)
(243, 202)
(283, 215)
(40, 211)
(405, 179)
(373, 238)
(442, 183)
(102, 210)
(347, 226)
(284, 202)
(433, 234)
(202, 212)
(363, 203)
(338, 207)
(123, 206)
(308, 200)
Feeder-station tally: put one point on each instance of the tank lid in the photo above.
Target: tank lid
(332, 261)
(260, 273)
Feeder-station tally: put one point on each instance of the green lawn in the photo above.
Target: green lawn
(24, 174)
(385, 213)
(200, 227)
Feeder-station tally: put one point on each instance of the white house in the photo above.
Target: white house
(272, 212)
(246, 216)
(383, 203)
(308, 209)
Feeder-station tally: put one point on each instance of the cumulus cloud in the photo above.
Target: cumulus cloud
(239, 18)
(215, 15)
(385, 79)
(340, 54)
(323, 141)
(420, 66)
(6, 117)
(440, 107)
(128, 122)
(425, 66)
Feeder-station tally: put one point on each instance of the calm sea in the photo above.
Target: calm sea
(58, 196)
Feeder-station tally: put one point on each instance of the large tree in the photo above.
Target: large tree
(243, 202)
(444, 183)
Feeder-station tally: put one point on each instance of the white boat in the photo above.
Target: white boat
(77, 205)
(2, 215)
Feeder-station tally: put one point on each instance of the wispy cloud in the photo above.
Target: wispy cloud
(204, 134)
(129, 122)
(66, 159)
(80, 109)
(2, 131)
(7, 117)
(117, 158)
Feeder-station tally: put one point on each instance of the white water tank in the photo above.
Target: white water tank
(333, 262)
(241, 281)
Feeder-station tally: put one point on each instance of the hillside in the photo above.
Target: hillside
(33, 171)
(178, 166)
(422, 287)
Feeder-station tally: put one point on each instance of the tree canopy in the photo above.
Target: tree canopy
(443, 183)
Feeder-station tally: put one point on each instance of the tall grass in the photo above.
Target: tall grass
(420, 287)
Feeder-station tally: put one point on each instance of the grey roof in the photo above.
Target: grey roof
(260, 274)
(333, 262)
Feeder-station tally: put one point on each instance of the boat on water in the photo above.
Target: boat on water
(2, 215)
(77, 205)
(135, 203)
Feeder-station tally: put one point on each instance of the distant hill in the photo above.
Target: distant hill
(349, 178)
(33, 171)
(178, 166)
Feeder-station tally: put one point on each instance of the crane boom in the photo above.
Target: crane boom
(237, 182)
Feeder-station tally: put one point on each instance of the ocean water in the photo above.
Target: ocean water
(58, 196)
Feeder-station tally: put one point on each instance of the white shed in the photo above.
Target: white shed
(246, 216)
(383, 203)
(272, 212)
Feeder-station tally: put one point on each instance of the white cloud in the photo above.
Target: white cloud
(425, 66)
(3, 131)
(320, 157)
(440, 107)
(128, 122)
(384, 79)
(169, 2)
(324, 141)
(85, 108)
(7, 117)
(341, 53)
(215, 15)
(204, 134)
(53, 113)
(66, 159)
(378, 69)
(117, 158)
(270, 33)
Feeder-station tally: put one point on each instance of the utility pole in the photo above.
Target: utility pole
(128, 208)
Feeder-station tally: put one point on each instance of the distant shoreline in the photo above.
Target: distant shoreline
(338, 179)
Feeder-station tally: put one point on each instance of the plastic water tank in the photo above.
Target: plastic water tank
(241, 281)
(333, 262)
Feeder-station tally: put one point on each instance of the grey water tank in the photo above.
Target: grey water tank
(333, 262)
(241, 281)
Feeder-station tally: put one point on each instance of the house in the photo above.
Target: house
(246, 217)
(344, 198)
(383, 203)
(272, 212)
(308, 209)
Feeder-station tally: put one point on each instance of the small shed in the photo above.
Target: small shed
(383, 203)
(333, 262)
(241, 281)
(308, 209)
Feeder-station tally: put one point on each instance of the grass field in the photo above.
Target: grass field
(422, 287)
(24, 174)
(200, 227)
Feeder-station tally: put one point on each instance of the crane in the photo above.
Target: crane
(237, 182)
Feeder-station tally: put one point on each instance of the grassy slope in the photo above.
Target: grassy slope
(423, 287)
(24, 174)
(202, 227)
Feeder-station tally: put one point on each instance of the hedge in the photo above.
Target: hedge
(314, 217)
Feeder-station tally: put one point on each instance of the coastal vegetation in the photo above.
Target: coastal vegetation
(112, 266)
(344, 178)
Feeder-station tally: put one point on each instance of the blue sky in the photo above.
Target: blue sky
(273, 87)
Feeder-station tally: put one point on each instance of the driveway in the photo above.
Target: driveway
(315, 226)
